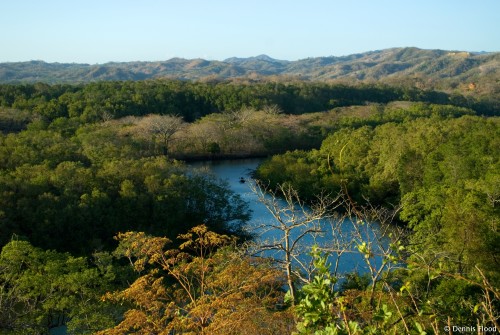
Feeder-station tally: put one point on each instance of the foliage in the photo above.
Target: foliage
(89, 161)
(44, 289)
(438, 169)
(102, 101)
(214, 289)
(315, 308)
(323, 310)
(89, 204)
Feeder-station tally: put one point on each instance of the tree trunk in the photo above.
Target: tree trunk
(288, 265)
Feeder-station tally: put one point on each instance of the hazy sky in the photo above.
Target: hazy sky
(99, 31)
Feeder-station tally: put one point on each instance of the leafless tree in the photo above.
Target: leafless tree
(242, 116)
(272, 110)
(367, 231)
(293, 221)
(163, 127)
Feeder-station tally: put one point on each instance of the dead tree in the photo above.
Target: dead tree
(293, 221)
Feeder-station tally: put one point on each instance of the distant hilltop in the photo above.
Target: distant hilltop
(386, 65)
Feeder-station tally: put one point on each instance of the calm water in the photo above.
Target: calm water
(233, 170)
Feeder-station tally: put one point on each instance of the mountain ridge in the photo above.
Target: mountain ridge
(377, 65)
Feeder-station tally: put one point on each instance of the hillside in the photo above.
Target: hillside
(423, 67)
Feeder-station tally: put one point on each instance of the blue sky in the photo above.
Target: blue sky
(99, 31)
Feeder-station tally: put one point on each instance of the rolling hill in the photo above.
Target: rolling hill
(426, 68)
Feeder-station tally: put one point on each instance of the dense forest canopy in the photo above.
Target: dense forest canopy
(104, 229)
(192, 100)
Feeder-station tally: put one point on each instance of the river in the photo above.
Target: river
(234, 171)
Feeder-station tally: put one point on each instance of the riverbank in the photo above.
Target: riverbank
(219, 157)
(231, 171)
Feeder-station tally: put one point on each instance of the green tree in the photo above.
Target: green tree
(44, 289)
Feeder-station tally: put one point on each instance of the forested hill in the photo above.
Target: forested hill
(423, 67)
